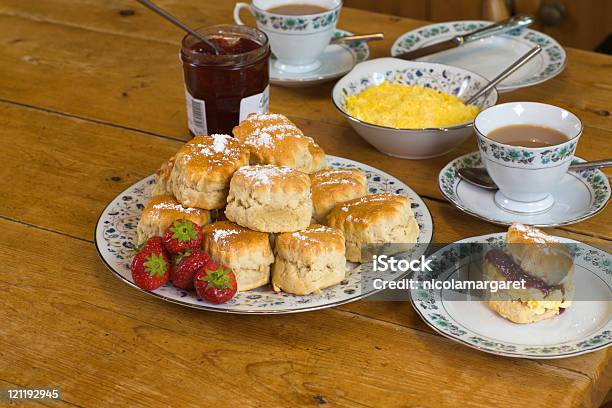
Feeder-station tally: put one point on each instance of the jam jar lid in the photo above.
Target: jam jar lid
(229, 34)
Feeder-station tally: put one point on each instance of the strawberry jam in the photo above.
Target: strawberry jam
(222, 88)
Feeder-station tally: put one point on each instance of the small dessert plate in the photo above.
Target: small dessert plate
(579, 195)
(489, 56)
(336, 60)
(584, 327)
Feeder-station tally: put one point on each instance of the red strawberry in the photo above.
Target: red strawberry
(154, 245)
(215, 283)
(186, 266)
(150, 270)
(182, 235)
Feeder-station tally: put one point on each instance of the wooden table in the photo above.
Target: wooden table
(91, 100)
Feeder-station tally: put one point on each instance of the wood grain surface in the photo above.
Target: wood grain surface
(91, 100)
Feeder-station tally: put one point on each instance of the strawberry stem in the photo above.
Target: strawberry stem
(155, 265)
(183, 230)
(220, 278)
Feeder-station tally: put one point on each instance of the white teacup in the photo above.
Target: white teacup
(526, 175)
(296, 40)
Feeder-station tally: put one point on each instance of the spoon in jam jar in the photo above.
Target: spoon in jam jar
(181, 25)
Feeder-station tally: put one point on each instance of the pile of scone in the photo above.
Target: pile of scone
(271, 210)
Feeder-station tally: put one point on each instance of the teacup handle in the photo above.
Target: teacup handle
(237, 8)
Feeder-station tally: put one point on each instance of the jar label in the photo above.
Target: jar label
(196, 109)
(196, 114)
(259, 103)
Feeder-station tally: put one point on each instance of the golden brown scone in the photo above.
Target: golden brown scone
(270, 199)
(203, 168)
(162, 178)
(161, 211)
(335, 186)
(308, 260)
(247, 252)
(274, 139)
(524, 234)
(374, 219)
(545, 265)
(539, 254)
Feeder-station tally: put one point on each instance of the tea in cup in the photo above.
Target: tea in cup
(298, 30)
(526, 148)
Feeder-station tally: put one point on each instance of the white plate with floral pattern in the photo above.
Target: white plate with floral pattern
(336, 60)
(489, 56)
(584, 327)
(115, 239)
(580, 195)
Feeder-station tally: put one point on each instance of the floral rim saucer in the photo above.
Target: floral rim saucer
(489, 56)
(584, 327)
(580, 195)
(115, 238)
(336, 60)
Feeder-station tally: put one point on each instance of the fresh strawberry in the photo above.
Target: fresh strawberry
(153, 245)
(150, 270)
(182, 235)
(186, 266)
(215, 283)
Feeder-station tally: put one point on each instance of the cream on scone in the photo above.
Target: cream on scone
(203, 168)
(270, 199)
(543, 263)
(308, 260)
(248, 253)
(335, 186)
(274, 139)
(374, 219)
(161, 211)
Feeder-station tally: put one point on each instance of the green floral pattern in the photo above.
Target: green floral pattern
(599, 184)
(316, 22)
(429, 303)
(553, 55)
(359, 48)
(559, 154)
(526, 158)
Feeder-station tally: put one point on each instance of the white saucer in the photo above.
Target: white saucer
(489, 56)
(335, 61)
(579, 195)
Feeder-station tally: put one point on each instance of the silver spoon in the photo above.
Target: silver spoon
(358, 37)
(479, 176)
(180, 24)
(347, 39)
(505, 73)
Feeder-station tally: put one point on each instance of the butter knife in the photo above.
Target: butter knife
(514, 22)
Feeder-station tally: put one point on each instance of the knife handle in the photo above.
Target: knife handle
(518, 21)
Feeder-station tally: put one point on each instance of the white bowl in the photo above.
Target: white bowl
(412, 143)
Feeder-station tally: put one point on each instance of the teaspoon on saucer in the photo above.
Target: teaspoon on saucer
(479, 176)
(357, 37)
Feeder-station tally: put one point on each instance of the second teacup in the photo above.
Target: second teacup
(526, 170)
(298, 30)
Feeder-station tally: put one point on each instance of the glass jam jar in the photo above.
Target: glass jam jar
(221, 90)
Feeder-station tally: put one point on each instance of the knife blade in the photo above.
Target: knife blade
(518, 21)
